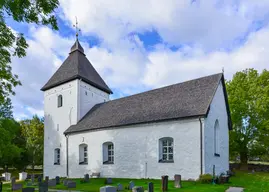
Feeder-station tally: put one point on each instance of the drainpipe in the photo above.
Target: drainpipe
(67, 167)
(201, 145)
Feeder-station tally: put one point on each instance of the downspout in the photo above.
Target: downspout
(201, 145)
(67, 163)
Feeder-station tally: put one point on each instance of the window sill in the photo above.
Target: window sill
(56, 163)
(162, 161)
(83, 163)
(216, 155)
(108, 163)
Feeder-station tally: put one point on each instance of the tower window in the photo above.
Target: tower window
(86, 93)
(57, 156)
(60, 101)
(216, 139)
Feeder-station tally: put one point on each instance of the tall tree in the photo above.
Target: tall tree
(6, 109)
(33, 132)
(13, 43)
(248, 94)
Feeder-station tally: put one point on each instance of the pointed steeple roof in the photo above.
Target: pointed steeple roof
(76, 66)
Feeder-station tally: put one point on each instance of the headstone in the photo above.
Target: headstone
(138, 189)
(150, 187)
(22, 176)
(28, 189)
(7, 176)
(33, 178)
(57, 179)
(86, 178)
(39, 179)
(65, 182)
(43, 187)
(131, 185)
(71, 184)
(108, 189)
(177, 182)
(119, 187)
(47, 178)
(52, 183)
(15, 186)
(108, 180)
(165, 183)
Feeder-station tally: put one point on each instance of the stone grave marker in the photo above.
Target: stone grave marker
(47, 179)
(87, 178)
(131, 185)
(32, 178)
(108, 189)
(138, 189)
(43, 187)
(177, 182)
(28, 189)
(22, 176)
(119, 187)
(57, 179)
(150, 187)
(71, 184)
(65, 182)
(39, 179)
(165, 183)
(52, 183)
(108, 180)
(15, 186)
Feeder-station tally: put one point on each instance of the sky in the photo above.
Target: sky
(138, 45)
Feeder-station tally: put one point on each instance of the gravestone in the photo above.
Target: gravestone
(165, 183)
(39, 179)
(1, 186)
(108, 189)
(138, 189)
(47, 179)
(131, 185)
(86, 178)
(32, 178)
(15, 186)
(108, 180)
(119, 187)
(43, 187)
(65, 182)
(28, 189)
(7, 176)
(71, 184)
(150, 187)
(52, 183)
(177, 182)
(57, 179)
(22, 176)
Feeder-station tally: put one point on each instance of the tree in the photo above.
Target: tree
(33, 132)
(8, 149)
(248, 95)
(13, 43)
(6, 109)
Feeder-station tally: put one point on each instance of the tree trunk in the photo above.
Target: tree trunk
(243, 161)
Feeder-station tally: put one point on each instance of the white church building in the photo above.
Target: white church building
(179, 129)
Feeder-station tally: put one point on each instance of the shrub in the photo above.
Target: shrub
(206, 178)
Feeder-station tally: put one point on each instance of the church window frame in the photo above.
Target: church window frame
(216, 138)
(108, 153)
(60, 101)
(57, 156)
(166, 150)
(83, 154)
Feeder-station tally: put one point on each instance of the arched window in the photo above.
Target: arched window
(166, 149)
(60, 100)
(57, 156)
(108, 153)
(83, 154)
(216, 139)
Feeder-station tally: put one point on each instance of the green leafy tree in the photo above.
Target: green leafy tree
(13, 43)
(9, 151)
(33, 132)
(6, 109)
(248, 94)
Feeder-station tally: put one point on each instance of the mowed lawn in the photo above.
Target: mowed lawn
(256, 182)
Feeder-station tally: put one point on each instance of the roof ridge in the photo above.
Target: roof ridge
(166, 86)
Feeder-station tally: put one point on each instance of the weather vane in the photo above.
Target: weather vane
(77, 29)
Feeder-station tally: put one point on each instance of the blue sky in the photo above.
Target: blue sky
(141, 45)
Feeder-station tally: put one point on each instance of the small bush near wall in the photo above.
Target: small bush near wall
(255, 167)
(206, 178)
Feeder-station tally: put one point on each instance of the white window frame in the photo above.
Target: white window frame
(60, 101)
(57, 156)
(83, 154)
(166, 150)
(108, 153)
(216, 139)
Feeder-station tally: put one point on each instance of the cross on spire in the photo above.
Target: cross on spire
(77, 29)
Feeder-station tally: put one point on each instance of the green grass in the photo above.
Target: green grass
(257, 182)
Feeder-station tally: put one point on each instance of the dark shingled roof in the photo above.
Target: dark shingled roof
(76, 66)
(183, 100)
